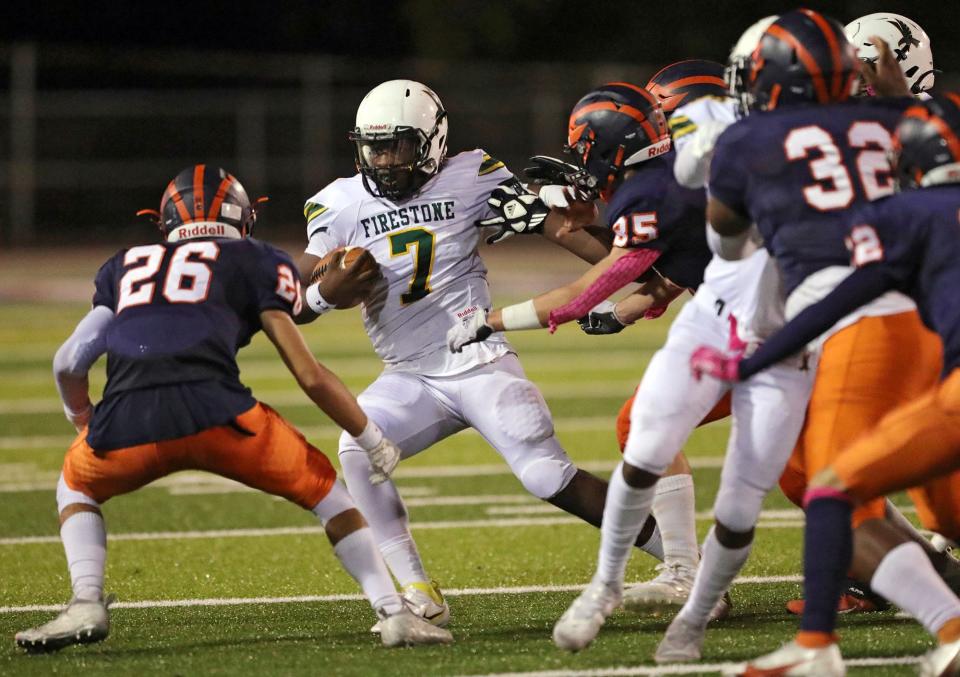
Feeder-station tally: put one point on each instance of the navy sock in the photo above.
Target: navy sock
(827, 551)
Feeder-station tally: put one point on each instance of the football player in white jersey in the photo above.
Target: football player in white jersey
(415, 210)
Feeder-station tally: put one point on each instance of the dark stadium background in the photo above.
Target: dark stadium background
(102, 102)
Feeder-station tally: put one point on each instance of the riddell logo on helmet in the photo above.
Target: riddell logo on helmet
(654, 151)
(377, 128)
(200, 230)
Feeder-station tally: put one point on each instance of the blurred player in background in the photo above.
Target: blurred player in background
(171, 317)
(794, 170)
(907, 242)
(415, 210)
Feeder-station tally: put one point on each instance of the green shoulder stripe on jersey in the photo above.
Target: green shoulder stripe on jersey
(312, 210)
(488, 165)
(683, 131)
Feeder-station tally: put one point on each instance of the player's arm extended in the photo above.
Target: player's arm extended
(73, 361)
(859, 288)
(591, 245)
(329, 393)
(305, 266)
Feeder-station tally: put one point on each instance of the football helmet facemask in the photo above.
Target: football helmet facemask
(926, 145)
(400, 138)
(738, 63)
(614, 127)
(203, 201)
(906, 38)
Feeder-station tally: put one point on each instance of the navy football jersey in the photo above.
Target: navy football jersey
(651, 210)
(797, 171)
(183, 310)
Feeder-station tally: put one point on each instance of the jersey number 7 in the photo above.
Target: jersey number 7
(834, 188)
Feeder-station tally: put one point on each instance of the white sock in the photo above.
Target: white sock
(85, 543)
(719, 565)
(654, 544)
(403, 558)
(673, 506)
(906, 578)
(358, 555)
(624, 513)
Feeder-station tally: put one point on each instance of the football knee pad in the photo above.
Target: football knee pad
(546, 477)
(738, 506)
(336, 501)
(522, 412)
(67, 496)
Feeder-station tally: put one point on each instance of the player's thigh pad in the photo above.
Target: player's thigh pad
(670, 402)
(103, 475)
(409, 412)
(768, 413)
(508, 410)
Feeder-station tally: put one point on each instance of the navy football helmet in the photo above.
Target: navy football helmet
(926, 146)
(802, 57)
(613, 127)
(204, 196)
(685, 81)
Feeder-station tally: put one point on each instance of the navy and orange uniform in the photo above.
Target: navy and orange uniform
(173, 399)
(650, 210)
(907, 242)
(798, 172)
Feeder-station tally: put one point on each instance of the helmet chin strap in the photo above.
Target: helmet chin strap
(203, 229)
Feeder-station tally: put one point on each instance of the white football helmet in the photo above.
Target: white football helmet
(400, 137)
(908, 41)
(738, 64)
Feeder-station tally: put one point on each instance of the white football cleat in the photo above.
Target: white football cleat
(944, 661)
(426, 601)
(793, 660)
(682, 642)
(405, 628)
(82, 622)
(669, 591)
(579, 624)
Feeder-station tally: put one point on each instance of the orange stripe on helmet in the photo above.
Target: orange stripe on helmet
(222, 189)
(835, 55)
(695, 80)
(630, 111)
(173, 194)
(198, 212)
(575, 132)
(805, 58)
(923, 113)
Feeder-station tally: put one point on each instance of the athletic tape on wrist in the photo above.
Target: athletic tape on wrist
(316, 302)
(520, 316)
(371, 436)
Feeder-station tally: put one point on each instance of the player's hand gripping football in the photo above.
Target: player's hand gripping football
(384, 458)
(713, 362)
(516, 211)
(341, 285)
(474, 330)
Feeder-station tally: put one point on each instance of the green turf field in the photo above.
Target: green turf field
(215, 579)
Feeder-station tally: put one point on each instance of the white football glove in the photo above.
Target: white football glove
(516, 211)
(558, 197)
(473, 330)
(383, 461)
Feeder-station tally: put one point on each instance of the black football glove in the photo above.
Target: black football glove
(551, 171)
(601, 320)
(516, 211)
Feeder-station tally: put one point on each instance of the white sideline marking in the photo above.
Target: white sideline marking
(562, 519)
(685, 668)
(458, 592)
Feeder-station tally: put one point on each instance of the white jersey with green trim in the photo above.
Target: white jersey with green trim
(427, 250)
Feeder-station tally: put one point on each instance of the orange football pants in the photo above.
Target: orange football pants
(271, 455)
(916, 445)
(720, 410)
(865, 371)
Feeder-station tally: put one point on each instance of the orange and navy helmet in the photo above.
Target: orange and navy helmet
(926, 146)
(613, 127)
(203, 201)
(685, 81)
(802, 57)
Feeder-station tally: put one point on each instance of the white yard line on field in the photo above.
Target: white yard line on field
(559, 519)
(457, 592)
(686, 668)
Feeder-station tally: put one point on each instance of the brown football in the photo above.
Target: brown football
(366, 262)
